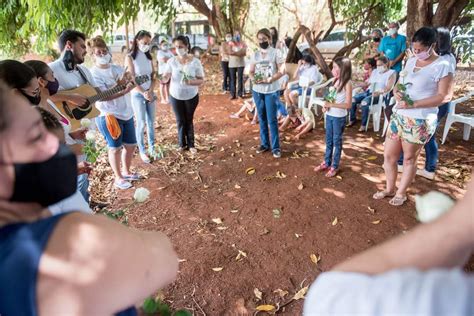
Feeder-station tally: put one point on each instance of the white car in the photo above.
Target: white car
(118, 43)
(330, 46)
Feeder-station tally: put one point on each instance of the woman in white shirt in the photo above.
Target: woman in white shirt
(413, 122)
(163, 56)
(380, 81)
(186, 74)
(116, 115)
(139, 63)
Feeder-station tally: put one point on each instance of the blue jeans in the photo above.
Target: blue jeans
(334, 129)
(431, 147)
(364, 97)
(83, 186)
(281, 108)
(144, 112)
(267, 115)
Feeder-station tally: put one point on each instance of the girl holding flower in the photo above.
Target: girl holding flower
(187, 74)
(424, 85)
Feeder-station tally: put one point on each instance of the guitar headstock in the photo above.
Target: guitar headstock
(142, 79)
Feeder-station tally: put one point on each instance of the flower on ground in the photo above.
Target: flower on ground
(141, 195)
(432, 205)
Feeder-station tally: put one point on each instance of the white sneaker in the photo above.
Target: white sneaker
(193, 150)
(145, 158)
(425, 174)
(399, 168)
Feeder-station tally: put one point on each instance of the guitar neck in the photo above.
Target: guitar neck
(105, 94)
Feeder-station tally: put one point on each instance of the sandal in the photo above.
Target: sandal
(132, 177)
(331, 173)
(122, 184)
(382, 194)
(397, 200)
(321, 167)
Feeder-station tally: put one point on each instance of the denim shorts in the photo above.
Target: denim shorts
(300, 90)
(127, 136)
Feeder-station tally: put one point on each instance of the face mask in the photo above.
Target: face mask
(181, 51)
(52, 86)
(68, 60)
(34, 100)
(46, 182)
(335, 72)
(392, 31)
(228, 39)
(197, 55)
(237, 38)
(263, 45)
(164, 47)
(103, 60)
(424, 55)
(143, 48)
(376, 39)
(366, 67)
(381, 68)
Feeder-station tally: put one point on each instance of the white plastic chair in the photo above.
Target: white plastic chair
(386, 121)
(453, 117)
(375, 110)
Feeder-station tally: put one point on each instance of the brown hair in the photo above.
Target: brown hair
(383, 59)
(4, 103)
(96, 42)
(49, 120)
(345, 67)
(265, 32)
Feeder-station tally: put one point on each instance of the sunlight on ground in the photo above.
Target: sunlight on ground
(336, 193)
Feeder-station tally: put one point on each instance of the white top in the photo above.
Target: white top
(398, 292)
(340, 98)
(312, 73)
(424, 84)
(452, 62)
(107, 78)
(75, 202)
(70, 79)
(66, 125)
(267, 66)
(162, 65)
(380, 79)
(142, 66)
(178, 89)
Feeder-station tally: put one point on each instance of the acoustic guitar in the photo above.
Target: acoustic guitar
(76, 113)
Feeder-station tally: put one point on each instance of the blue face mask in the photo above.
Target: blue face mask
(237, 38)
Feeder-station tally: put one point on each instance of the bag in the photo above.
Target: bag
(113, 126)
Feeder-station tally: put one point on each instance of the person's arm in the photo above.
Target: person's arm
(434, 101)
(102, 87)
(444, 243)
(397, 59)
(242, 52)
(79, 270)
(131, 69)
(278, 74)
(199, 79)
(347, 101)
(74, 98)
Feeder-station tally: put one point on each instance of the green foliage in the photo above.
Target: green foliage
(119, 215)
(157, 307)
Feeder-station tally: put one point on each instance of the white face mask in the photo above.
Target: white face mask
(181, 51)
(381, 68)
(103, 60)
(228, 39)
(392, 31)
(143, 48)
(164, 47)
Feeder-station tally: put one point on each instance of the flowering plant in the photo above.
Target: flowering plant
(91, 149)
(330, 96)
(402, 87)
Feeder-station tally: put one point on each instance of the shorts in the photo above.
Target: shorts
(411, 130)
(127, 136)
(300, 90)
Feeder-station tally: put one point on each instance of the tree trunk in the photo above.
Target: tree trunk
(417, 15)
(448, 12)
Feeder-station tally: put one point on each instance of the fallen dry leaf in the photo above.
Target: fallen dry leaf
(264, 231)
(257, 293)
(250, 171)
(339, 177)
(221, 228)
(241, 255)
(371, 210)
(372, 158)
(315, 258)
(265, 308)
(280, 175)
(234, 211)
(281, 292)
(298, 235)
(217, 220)
(334, 222)
(182, 260)
(300, 186)
(237, 186)
(300, 294)
(276, 213)
(217, 269)
(376, 222)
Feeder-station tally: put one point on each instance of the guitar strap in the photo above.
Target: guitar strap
(83, 75)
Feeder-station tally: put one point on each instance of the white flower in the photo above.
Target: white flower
(141, 195)
(403, 73)
(332, 89)
(432, 205)
(90, 135)
(86, 123)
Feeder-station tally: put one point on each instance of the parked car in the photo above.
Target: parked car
(118, 43)
(329, 46)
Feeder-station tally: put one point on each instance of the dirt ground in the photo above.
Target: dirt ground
(259, 230)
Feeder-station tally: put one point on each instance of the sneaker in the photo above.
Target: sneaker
(425, 174)
(361, 129)
(261, 149)
(193, 150)
(144, 158)
(132, 177)
(122, 184)
(277, 154)
(399, 168)
(351, 123)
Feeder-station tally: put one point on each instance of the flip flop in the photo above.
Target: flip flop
(321, 167)
(382, 194)
(397, 200)
(331, 173)
(132, 177)
(122, 185)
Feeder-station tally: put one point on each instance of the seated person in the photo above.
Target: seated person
(381, 81)
(307, 68)
(308, 122)
(249, 105)
(64, 264)
(369, 65)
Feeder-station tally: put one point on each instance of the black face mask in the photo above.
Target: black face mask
(68, 60)
(263, 45)
(46, 182)
(52, 86)
(34, 100)
(376, 39)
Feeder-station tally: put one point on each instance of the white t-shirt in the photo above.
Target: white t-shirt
(142, 66)
(105, 79)
(452, 62)
(340, 98)
(267, 67)
(397, 292)
(162, 65)
(312, 73)
(178, 89)
(70, 79)
(380, 79)
(424, 84)
(75, 202)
